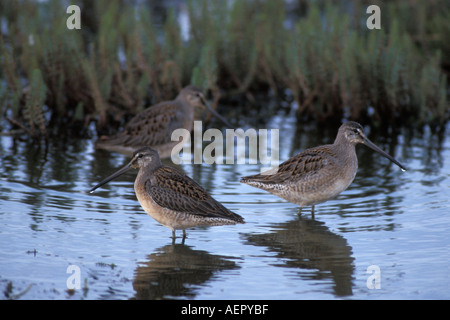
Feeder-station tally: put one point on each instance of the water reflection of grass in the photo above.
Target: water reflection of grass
(123, 59)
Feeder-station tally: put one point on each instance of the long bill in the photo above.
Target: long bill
(218, 116)
(374, 147)
(111, 177)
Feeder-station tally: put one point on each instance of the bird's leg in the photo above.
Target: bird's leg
(299, 212)
(184, 236)
(173, 236)
(312, 212)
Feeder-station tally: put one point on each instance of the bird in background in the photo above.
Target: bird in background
(154, 126)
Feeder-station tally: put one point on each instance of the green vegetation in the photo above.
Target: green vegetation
(123, 60)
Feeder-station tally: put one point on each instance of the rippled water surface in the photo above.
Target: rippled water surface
(389, 221)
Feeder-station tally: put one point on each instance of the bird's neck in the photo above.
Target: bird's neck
(146, 172)
(347, 152)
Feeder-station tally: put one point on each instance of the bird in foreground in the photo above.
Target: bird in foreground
(320, 173)
(172, 198)
(154, 126)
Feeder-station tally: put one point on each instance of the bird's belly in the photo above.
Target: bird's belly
(329, 189)
(332, 190)
(173, 219)
(313, 192)
(166, 217)
(160, 214)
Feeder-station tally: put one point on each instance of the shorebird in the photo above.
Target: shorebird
(154, 126)
(172, 198)
(320, 173)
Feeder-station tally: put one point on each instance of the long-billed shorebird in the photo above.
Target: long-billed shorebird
(154, 126)
(172, 198)
(320, 173)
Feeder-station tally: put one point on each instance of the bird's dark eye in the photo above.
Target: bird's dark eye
(140, 156)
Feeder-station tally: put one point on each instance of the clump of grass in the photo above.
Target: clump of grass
(121, 61)
(334, 70)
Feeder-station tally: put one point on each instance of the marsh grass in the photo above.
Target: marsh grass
(122, 61)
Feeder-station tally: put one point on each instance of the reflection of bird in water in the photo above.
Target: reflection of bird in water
(318, 174)
(176, 271)
(153, 127)
(311, 247)
(171, 198)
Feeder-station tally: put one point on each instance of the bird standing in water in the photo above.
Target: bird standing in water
(154, 126)
(320, 173)
(172, 198)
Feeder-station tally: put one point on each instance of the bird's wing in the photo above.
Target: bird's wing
(175, 191)
(304, 163)
(151, 127)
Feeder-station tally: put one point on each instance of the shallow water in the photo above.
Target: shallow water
(393, 220)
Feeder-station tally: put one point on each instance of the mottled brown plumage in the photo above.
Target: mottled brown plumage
(175, 191)
(154, 126)
(320, 173)
(172, 198)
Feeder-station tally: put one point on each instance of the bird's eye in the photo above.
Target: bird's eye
(140, 156)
